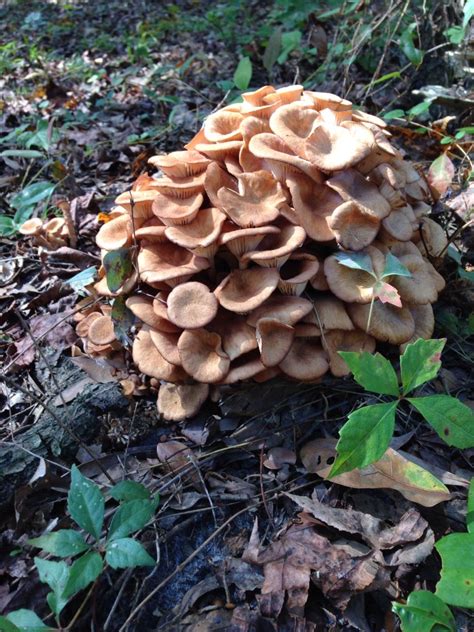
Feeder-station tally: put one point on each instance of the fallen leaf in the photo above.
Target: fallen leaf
(278, 457)
(440, 175)
(174, 454)
(392, 471)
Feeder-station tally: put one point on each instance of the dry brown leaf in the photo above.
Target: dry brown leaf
(175, 455)
(392, 471)
(278, 457)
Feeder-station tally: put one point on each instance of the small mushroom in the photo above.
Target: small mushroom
(167, 262)
(177, 402)
(286, 309)
(176, 211)
(180, 164)
(201, 234)
(150, 361)
(274, 340)
(244, 290)
(276, 249)
(296, 272)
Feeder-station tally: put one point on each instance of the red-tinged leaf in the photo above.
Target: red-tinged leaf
(386, 293)
(440, 175)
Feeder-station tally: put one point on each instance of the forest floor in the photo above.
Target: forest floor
(88, 92)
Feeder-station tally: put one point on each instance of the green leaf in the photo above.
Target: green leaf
(123, 319)
(470, 508)
(364, 438)
(43, 136)
(456, 585)
(129, 490)
(452, 420)
(468, 11)
(83, 278)
(63, 543)
(118, 267)
(8, 626)
(394, 114)
(29, 197)
(373, 372)
(272, 49)
(289, 42)
(393, 266)
(396, 74)
(56, 575)
(407, 44)
(423, 612)
(127, 553)
(356, 261)
(130, 517)
(243, 73)
(7, 226)
(420, 362)
(455, 34)
(26, 621)
(85, 503)
(420, 108)
(83, 572)
(22, 153)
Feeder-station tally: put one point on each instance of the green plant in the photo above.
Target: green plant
(92, 549)
(366, 435)
(425, 611)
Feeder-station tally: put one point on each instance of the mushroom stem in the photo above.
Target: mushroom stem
(65, 207)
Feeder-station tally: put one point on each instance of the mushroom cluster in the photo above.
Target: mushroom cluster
(288, 229)
(50, 234)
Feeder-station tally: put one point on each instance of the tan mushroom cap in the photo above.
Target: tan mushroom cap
(219, 151)
(314, 203)
(167, 345)
(306, 361)
(338, 340)
(150, 361)
(274, 340)
(31, 227)
(143, 308)
(293, 123)
(388, 323)
(237, 336)
(166, 262)
(296, 272)
(257, 201)
(323, 100)
(176, 211)
(424, 323)
(180, 187)
(337, 147)
(365, 117)
(319, 281)
(177, 402)
(287, 309)
(244, 368)
(353, 229)
(285, 95)
(400, 223)
(223, 126)
(433, 241)
(353, 187)
(244, 290)
(307, 330)
(115, 234)
(153, 230)
(82, 327)
(329, 313)
(251, 126)
(192, 305)
(352, 285)
(55, 226)
(203, 231)
(244, 240)
(202, 355)
(275, 250)
(280, 158)
(419, 288)
(101, 331)
(140, 200)
(256, 97)
(198, 138)
(267, 374)
(216, 179)
(180, 164)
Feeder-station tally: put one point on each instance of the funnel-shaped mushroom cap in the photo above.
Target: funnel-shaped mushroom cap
(307, 330)
(150, 361)
(223, 126)
(353, 187)
(165, 262)
(244, 290)
(353, 228)
(216, 179)
(267, 374)
(167, 345)
(400, 223)
(101, 331)
(281, 159)
(274, 340)
(192, 305)
(395, 197)
(115, 234)
(82, 328)
(306, 361)
(323, 100)
(313, 203)
(319, 281)
(329, 313)
(285, 95)
(256, 97)
(336, 147)
(202, 356)
(424, 323)
(31, 227)
(365, 117)
(201, 232)
(433, 238)
(177, 402)
(180, 187)
(196, 140)
(296, 272)
(287, 309)
(233, 165)
(293, 123)
(245, 239)
(153, 230)
(338, 340)
(276, 249)
(55, 226)
(143, 308)
(237, 336)
(387, 173)
(244, 368)
(350, 284)
(140, 201)
(419, 288)
(257, 201)
(387, 322)
(251, 126)
(180, 164)
(220, 151)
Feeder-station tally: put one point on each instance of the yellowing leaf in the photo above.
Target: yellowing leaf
(440, 175)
